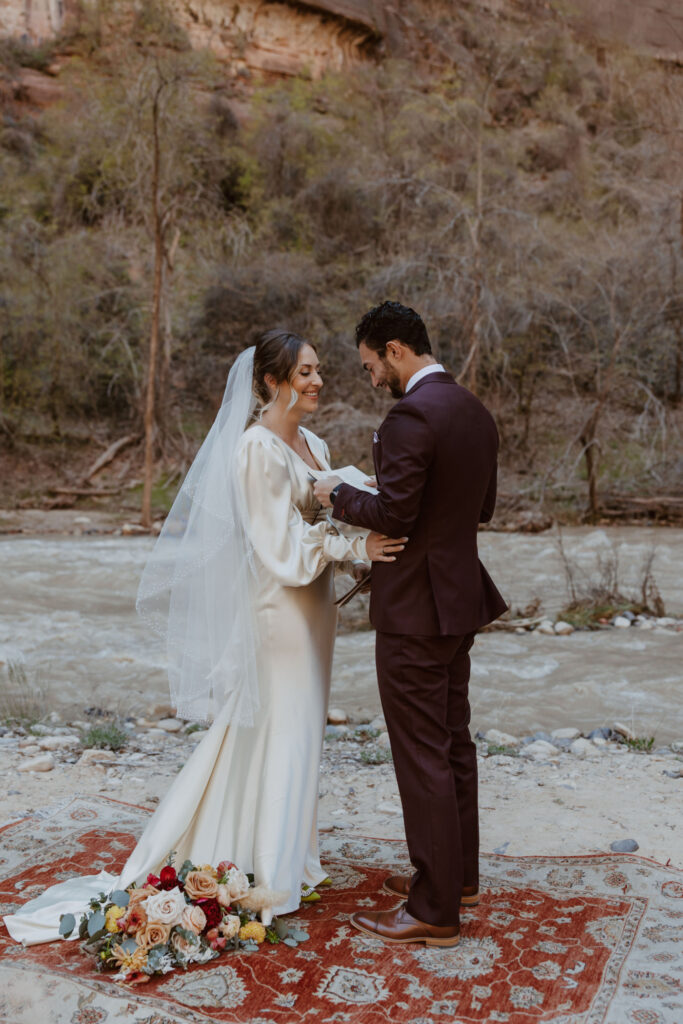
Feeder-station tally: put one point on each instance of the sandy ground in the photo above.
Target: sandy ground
(566, 805)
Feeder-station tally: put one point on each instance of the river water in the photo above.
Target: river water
(67, 611)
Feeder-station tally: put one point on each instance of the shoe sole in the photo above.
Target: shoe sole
(404, 942)
(465, 901)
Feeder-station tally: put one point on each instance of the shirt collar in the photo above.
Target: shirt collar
(432, 368)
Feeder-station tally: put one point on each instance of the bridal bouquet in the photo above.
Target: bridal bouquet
(178, 919)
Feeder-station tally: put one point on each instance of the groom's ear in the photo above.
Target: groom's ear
(394, 349)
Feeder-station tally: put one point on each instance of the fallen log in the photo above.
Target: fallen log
(110, 454)
(85, 492)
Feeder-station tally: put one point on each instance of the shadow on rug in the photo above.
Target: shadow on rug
(555, 940)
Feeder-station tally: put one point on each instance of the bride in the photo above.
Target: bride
(240, 582)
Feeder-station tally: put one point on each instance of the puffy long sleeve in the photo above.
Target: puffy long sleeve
(292, 550)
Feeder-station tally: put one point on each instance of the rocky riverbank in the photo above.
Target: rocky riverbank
(554, 793)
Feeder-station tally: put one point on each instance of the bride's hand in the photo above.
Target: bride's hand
(381, 548)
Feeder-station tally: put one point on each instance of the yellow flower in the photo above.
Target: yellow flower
(209, 869)
(130, 962)
(111, 918)
(253, 930)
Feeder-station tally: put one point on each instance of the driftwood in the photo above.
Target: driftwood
(510, 624)
(109, 455)
(661, 506)
(85, 492)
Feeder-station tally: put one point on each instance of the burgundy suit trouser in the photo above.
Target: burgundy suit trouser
(423, 684)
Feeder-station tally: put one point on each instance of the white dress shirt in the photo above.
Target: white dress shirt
(432, 368)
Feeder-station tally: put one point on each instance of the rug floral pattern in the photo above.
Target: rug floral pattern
(555, 940)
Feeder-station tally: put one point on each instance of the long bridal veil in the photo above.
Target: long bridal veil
(196, 591)
(196, 587)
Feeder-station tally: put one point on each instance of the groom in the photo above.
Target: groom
(435, 461)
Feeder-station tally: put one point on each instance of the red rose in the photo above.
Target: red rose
(224, 867)
(213, 911)
(153, 880)
(168, 878)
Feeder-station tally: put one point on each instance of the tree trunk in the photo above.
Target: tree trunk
(153, 356)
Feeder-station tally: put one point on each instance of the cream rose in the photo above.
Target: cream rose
(237, 883)
(166, 907)
(200, 885)
(194, 919)
(186, 947)
(229, 926)
(153, 934)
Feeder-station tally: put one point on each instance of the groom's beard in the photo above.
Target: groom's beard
(392, 381)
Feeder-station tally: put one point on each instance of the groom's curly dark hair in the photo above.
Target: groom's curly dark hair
(393, 322)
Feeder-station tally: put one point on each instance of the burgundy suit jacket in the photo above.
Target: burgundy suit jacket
(436, 466)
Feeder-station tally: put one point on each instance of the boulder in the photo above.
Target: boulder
(501, 739)
(539, 750)
(563, 628)
(583, 748)
(59, 742)
(624, 846)
(621, 622)
(95, 756)
(336, 716)
(170, 724)
(44, 763)
(570, 733)
(624, 731)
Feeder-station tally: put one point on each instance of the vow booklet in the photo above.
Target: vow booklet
(349, 474)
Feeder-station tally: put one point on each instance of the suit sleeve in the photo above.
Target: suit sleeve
(489, 504)
(407, 452)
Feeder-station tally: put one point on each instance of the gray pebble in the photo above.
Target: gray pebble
(604, 732)
(624, 846)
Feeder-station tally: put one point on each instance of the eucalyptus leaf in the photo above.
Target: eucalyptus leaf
(300, 936)
(120, 898)
(187, 866)
(281, 927)
(67, 923)
(129, 945)
(95, 923)
(289, 941)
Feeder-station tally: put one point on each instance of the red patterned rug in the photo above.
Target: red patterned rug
(555, 940)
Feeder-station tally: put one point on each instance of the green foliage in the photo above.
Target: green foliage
(493, 749)
(23, 701)
(639, 744)
(375, 755)
(520, 196)
(105, 737)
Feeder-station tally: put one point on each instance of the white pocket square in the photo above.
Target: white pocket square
(375, 438)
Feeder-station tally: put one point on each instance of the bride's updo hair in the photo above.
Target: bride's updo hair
(277, 353)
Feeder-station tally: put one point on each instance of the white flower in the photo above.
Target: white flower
(165, 907)
(191, 950)
(229, 926)
(236, 883)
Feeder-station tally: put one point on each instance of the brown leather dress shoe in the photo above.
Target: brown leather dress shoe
(398, 926)
(399, 885)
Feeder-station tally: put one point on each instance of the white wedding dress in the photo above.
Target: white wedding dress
(250, 795)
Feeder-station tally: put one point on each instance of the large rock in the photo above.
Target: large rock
(44, 763)
(336, 716)
(59, 742)
(170, 724)
(539, 750)
(583, 748)
(94, 756)
(569, 733)
(501, 739)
